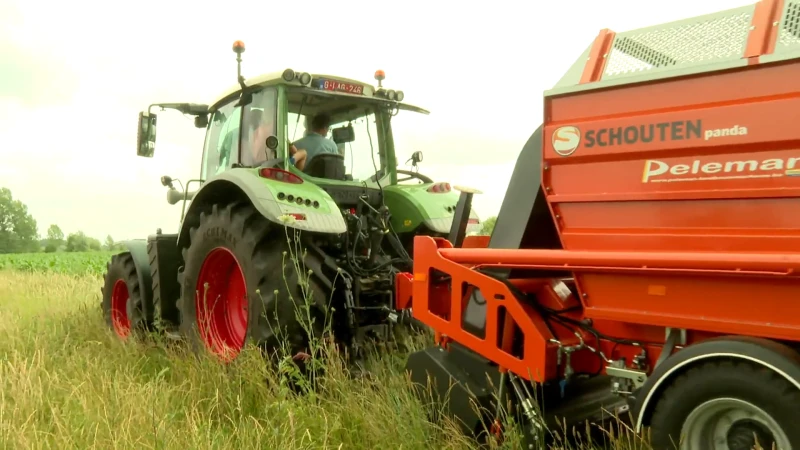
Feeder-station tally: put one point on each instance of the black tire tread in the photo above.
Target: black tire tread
(121, 266)
(153, 261)
(778, 391)
(165, 317)
(263, 243)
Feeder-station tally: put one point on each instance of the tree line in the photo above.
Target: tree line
(19, 232)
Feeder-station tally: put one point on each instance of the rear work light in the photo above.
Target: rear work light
(280, 175)
(439, 188)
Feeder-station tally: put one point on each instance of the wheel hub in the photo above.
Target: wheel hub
(222, 313)
(744, 434)
(119, 309)
(732, 424)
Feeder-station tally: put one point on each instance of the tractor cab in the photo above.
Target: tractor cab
(254, 123)
(258, 127)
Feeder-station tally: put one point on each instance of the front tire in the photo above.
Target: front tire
(726, 405)
(122, 304)
(240, 285)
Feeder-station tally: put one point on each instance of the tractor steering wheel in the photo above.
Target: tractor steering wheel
(412, 175)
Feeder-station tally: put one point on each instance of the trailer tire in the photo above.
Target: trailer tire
(121, 302)
(683, 413)
(237, 236)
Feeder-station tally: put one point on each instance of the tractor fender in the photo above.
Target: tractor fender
(413, 205)
(138, 250)
(772, 355)
(244, 184)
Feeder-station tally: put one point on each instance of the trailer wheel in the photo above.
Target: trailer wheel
(727, 405)
(240, 284)
(122, 297)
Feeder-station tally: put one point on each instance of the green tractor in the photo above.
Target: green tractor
(226, 278)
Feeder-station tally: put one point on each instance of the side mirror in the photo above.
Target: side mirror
(146, 135)
(272, 142)
(174, 196)
(201, 121)
(343, 134)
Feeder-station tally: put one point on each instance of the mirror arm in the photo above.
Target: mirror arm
(193, 109)
(188, 196)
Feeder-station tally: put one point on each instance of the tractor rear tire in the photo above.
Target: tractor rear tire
(253, 292)
(122, 297)
(728, 402)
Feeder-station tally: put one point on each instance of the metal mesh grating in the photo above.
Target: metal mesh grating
(790, 29)
(702, 39)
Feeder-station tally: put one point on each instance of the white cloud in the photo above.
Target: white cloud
(480, 69)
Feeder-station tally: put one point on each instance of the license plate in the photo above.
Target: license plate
(340, 86)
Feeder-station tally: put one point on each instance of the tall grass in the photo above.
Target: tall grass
(66, 382)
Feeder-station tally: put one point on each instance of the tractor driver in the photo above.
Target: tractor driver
(297, 157)
(316, 141)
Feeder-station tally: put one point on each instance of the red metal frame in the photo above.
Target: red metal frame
(441, 308)
(627, 295)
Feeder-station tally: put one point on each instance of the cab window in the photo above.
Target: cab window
(297, 126)
(222, 140)
(260, 122)
(361, 156)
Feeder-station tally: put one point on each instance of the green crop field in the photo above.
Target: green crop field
(67, 382)
(87, 263)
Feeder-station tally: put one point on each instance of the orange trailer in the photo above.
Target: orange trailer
(646, 257)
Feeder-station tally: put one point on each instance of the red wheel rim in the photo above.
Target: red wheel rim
(119, 309)
(222, 304)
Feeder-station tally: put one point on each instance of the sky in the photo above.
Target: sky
(74, 79)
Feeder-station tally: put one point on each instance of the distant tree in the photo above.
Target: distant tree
(488, 225)
(54, 233)
(79, 242)
(55, 239)
(18, 229)
(110, 245)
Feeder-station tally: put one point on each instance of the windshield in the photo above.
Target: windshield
(362, 156)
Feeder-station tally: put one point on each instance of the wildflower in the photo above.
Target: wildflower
(287, 218)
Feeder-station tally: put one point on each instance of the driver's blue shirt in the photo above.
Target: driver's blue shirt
(314, 144)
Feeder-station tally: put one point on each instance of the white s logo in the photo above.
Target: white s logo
(566, 140)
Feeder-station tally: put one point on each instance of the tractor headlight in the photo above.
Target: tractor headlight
(305, 78)
(391, 95)
(400, 96)
(288, 75)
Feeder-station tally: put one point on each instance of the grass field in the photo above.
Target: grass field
(88, 263)
(68, 383)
